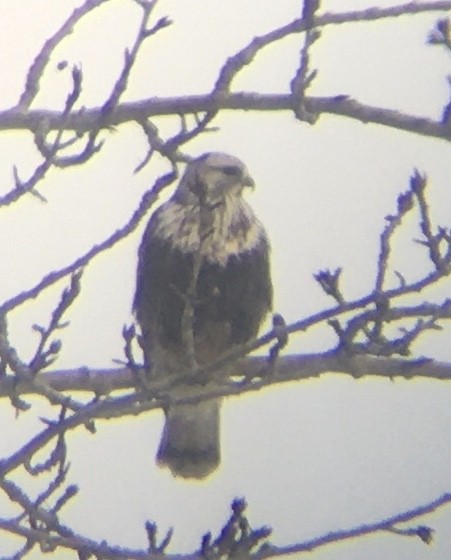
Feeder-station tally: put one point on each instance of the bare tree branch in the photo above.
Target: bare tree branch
(147, 201)
(289, 368)
(339, 105)
(236, 540)
(364, 342)
(221, 98)
(388, 525)
(36, 70)
(49, 152)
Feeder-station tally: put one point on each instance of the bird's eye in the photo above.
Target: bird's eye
(231, 170)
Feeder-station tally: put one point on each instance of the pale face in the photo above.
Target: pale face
(221, 175)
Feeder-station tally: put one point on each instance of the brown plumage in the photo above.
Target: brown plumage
(206, 232)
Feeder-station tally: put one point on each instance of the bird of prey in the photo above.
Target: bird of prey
(204, 256)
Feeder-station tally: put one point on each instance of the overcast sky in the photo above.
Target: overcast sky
(311, 457)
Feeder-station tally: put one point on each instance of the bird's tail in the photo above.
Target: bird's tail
(189, 445)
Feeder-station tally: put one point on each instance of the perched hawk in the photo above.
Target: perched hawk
(206, 232)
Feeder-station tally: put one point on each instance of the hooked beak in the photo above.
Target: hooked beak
(248, 182)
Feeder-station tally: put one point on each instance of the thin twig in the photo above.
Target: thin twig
(148, 199)
(36, 70)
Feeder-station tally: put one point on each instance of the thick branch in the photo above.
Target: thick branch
(289, 368)
(141, 110)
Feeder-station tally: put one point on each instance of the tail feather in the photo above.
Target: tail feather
(189, 445)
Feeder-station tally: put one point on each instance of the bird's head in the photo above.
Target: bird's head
(212, 178)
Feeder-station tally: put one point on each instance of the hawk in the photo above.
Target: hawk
(208, 238)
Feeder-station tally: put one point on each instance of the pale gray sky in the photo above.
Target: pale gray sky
(310, 457)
